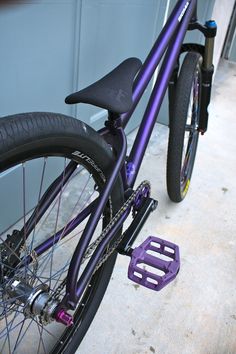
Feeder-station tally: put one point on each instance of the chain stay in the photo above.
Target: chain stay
(125, 206)
(129, 202)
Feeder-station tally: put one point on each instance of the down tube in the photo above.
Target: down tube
(155, 101)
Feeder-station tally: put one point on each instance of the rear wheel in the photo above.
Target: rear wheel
(35, 150)
(184, 124)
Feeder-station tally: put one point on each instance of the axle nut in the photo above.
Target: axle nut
(64, 317)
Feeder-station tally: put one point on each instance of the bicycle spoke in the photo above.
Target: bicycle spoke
(37, 208)
(57, 217)
(24, 204)
(18, 337)
(56, 199)
(59, 229)
(56, 245)
(8, 335)
(41, 340)
(45, 329)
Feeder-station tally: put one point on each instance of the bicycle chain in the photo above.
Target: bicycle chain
(125, 206)
(129, 202)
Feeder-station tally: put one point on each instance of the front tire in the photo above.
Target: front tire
(184, 124)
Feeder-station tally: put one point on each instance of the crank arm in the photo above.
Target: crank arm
(133, 230)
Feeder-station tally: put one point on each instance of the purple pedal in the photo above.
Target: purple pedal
(154, 263)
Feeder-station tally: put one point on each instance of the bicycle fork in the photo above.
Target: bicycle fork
(207, 73)
(209, 31)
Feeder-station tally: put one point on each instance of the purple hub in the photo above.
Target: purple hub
(154, 263)
(63, 317)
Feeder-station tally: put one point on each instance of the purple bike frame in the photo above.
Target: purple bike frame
(168, 42)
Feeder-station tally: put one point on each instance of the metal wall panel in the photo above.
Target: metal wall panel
(37, 54)
(53, 47)
(50, 48)
(111, 31)
(232, 54)
(37, 64)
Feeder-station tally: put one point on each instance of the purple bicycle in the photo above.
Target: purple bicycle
(57, 255)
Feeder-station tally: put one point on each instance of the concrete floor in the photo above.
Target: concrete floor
(196, 314)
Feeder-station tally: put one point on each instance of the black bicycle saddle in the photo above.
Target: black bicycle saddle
(114, 91)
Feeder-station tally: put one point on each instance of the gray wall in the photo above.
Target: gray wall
(53, 47)
(232, 53)
(221, 13)
(50, 48)
(230, 45)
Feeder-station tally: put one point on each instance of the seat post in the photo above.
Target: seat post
(112, 116)
(114, 121)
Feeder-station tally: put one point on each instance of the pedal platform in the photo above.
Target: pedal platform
(155, 263)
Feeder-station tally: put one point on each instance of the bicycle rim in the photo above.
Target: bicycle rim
(191, 135)
(18, 327)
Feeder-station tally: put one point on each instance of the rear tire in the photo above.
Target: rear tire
(24, 140)
(183, 135)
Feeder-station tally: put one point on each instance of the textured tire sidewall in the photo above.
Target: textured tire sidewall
(33, 134)
(192, 61)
